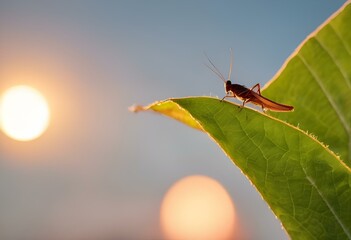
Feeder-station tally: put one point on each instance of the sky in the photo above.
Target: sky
(100, 171)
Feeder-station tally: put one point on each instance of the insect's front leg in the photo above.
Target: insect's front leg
(227, 95)
(223, 98)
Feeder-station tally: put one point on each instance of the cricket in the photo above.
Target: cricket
(246, 95)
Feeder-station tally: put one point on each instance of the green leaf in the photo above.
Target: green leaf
(305, 183)
(316, 80)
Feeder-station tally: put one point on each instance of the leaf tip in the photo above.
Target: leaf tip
(136, 108)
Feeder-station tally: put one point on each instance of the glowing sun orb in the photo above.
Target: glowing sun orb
(24, 113)
(197, 207)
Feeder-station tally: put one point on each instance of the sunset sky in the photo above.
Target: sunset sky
(100, 171)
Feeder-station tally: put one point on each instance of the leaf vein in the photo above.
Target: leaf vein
(325, 200)
(331, 101)
(341, 39)
(344, 75)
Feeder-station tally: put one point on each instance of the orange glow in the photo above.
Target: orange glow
(197, 207)
(24, 113)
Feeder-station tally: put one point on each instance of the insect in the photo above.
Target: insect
(245, 94)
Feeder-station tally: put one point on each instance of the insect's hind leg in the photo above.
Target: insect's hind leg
(258, 88)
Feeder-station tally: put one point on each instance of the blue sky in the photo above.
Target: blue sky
(92, 60)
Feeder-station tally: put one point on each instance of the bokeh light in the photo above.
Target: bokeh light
(197, 207)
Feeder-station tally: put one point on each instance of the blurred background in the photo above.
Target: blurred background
(100, 171)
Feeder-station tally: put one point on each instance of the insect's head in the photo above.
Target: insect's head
(227, 86)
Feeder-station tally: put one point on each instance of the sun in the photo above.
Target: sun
(24, 113)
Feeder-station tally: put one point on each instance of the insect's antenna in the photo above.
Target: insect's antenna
(231, 63)
(214, 69)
